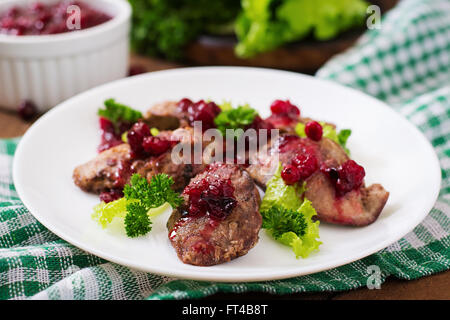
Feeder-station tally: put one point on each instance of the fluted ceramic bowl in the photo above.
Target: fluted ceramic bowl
(48, 69)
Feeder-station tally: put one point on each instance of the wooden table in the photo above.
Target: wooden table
(433, 287)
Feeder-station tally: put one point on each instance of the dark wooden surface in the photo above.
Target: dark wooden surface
(433, 287)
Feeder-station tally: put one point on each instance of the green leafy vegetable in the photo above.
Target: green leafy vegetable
(264, 25)
(153, 194)
(165, 27)
(343, 136)
(281, 220)
(226, 106)
(328, 132)
(288, 218)
(278, 193)
(235, 118)
(154, 131)
(148, 196)
(137, 222)
(141, 201)
(300, 129)
(124, 137)
(105, 212)
(115, 111)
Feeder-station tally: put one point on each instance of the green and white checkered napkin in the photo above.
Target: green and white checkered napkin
(405, 63)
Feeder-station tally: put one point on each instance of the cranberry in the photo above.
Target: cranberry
(210, 196)
(12, 12)
(284, 107)
(105, 124)
(123, 173)
(200, 111)
(155, 146)
(204, 112)
(313, 130)
(109, 196)
(290, 174)
(135, 70)
(27, 110)
(185, 104)
(143, 144)
(109, 137)
(306, 164)
(136, 137)
(284, 114)
(351, 177)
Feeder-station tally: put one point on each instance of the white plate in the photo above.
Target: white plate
(393, 152)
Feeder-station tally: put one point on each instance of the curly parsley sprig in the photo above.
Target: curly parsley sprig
(235, 118)
(281, 220)
(115, 112)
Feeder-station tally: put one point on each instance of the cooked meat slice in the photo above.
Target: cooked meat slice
(358, 207)
(99, 174)
(227, 225)
(113, 168)
(166, 116)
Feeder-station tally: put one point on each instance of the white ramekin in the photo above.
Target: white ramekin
(48, 69)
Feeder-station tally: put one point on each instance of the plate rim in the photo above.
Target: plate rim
(197, 274)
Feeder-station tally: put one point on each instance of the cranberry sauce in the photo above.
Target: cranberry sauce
(123, 174)
(27, 110)
(111, 195)
(200, 111)
(284, 113)
(258, 124)
(143, 144)
(110, 135)
(349, 176)
(212, 196)
(44, 19)
(305, 160)
(288, 143)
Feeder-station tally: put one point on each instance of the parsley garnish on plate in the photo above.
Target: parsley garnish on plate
(280, 220)
(235, 118)
(141, 201)
(115, 112)
(288, 216)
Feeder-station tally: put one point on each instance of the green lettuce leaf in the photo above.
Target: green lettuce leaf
(278, 193)
(288, 218)
(105, 212)
(264, 25)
